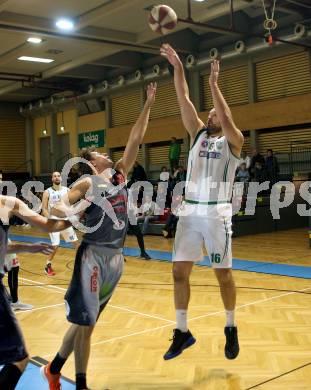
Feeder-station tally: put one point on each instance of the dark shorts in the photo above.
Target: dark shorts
(12, 346)
(95, 276)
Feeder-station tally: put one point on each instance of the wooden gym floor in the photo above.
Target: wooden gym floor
(273, 315)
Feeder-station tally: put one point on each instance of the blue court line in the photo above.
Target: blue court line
(295, 271)
(32, 380)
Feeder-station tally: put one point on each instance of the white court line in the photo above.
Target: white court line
(44, 288)
(142, 314)
(57, 288)
(38, 308)
(198, 317)
(191, 319)
(44, 284)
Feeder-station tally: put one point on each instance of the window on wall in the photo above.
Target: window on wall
(281, 140)
(283, 76)
(117, 153)
(12, 138)
(166, 103)
(233, 84)
(126, 108)
(158, 154)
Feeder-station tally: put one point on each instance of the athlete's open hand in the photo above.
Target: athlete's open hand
(170, 54)
(40, 247)
(151, 93)
(213, 78)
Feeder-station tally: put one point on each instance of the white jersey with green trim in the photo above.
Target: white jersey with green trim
(211, 170)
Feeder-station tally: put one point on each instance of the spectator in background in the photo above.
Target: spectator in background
(272, 167)
(148, 210)
(139, 173)
(245, 160)
(180, 174)
(164, 174)
(260, 174)
(171, 222)
(155, 192)
(243, 174)
(174, 154)
(135, 229)
(164, 194)
(256, 157)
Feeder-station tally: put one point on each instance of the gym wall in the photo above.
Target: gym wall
(269, 95)
(12, 138)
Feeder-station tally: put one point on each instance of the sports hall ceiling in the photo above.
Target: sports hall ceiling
(112, 37)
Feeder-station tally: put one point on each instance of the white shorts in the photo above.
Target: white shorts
(68, 235)
(213, 230)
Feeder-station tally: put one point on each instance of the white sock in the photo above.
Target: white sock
(230, 317)
(181, 320)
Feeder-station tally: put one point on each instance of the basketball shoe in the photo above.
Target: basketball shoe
(232, 343)
(181, 341)
(49, 270)
(52, 379)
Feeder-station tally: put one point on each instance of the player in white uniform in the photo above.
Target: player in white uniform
(207, 213)
(51, 196)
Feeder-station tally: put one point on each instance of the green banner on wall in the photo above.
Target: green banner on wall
(92, 139)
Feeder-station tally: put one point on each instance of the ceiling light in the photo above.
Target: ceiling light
(35, 59)
(65, 24)
(199, 1)
(34, 40)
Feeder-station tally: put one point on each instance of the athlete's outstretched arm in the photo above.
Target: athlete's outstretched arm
(41, 247)
(189, 115)
(232, 133)
(21, 210)
(137, 133)
(74, 201)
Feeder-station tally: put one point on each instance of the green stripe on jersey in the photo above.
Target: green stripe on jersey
(224, 177)
(197, 137)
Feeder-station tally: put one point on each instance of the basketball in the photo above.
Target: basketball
(162, 19)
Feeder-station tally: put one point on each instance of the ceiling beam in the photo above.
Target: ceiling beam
(211, 13)
(125, 60)
(90, 72)
(92, 16)
(37, 25)
(4, 4)
(44, 25)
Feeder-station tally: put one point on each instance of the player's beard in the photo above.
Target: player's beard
(213, 129)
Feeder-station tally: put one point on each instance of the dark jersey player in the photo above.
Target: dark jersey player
(13, 353)
(99, 260)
